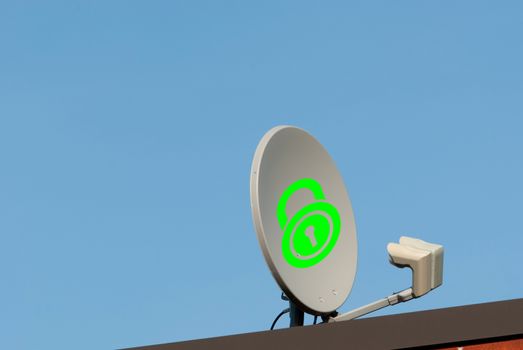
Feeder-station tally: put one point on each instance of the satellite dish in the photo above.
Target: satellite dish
(303, 219)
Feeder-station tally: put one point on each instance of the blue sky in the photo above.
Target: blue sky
(127, 131)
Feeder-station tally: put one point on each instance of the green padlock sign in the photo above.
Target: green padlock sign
(311, 233)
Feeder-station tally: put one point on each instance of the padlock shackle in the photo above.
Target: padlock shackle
(309, 184)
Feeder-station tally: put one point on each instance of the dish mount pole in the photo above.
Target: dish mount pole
(296, 315)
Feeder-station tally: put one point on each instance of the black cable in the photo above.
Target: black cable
(278, 317)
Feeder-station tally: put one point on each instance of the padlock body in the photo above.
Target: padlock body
(311, 234)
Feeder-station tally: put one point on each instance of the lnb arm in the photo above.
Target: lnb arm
(426, 262)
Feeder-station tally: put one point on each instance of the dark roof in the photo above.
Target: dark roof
(433, 328)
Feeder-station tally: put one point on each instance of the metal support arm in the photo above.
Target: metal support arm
(393, 299)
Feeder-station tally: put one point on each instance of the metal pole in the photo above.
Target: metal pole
(296, 315)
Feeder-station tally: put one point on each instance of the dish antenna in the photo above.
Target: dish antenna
(305, 226)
